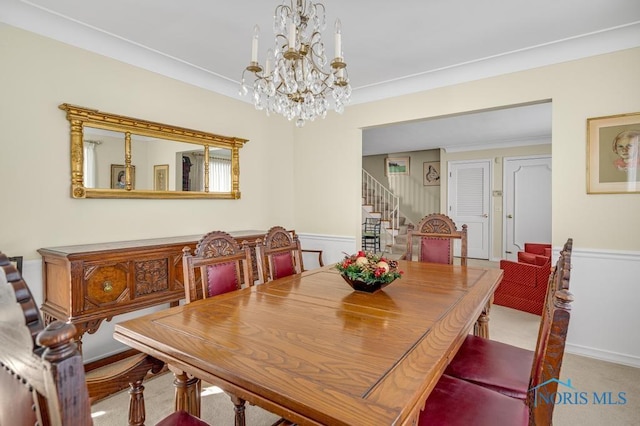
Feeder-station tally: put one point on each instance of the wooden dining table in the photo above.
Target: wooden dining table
(314, 351)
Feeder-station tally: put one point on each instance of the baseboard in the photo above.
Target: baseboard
(602, 355)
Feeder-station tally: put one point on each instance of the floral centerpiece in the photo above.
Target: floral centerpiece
(367, 271)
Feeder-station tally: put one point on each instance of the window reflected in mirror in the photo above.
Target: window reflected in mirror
(193, 170)
(101, 149)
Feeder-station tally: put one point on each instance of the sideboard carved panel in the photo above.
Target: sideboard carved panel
(151, 276)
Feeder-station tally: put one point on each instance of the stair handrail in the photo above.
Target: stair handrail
(382, 200)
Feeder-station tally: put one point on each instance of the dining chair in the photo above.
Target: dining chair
(436, 234)
(371, 234)
(42, 378)
(218, 265)
(455, 401)
(279, 254)
(317, 256)
(508, 369)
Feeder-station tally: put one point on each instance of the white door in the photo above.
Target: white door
(527, 203)
(469, 198)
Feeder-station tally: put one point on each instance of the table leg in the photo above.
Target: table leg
(481, 327)
(187, 392)
(239, 407)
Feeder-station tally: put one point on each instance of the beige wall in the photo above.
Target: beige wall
(416, 200)
(596, 86)
(38, 74)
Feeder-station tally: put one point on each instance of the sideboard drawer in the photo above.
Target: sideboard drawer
(105, 285)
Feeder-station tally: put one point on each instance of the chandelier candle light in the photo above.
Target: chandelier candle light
(295, 81)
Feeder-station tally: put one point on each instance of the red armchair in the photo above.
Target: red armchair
(524, 284)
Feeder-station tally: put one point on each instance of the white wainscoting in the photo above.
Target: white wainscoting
(604, 320)
(605, 314)
(333, 247)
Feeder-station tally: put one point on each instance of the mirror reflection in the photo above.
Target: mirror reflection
(120, 157)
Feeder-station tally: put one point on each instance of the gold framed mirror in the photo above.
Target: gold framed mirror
(114, 156)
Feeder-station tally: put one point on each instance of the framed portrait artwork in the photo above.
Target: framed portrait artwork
(118, 177)
(161, 177)
(396, 166)
(613, 154)
(431, 173)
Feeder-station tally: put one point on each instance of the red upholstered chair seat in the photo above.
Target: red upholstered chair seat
(498, 366)
(457, 402)
(538, 248)
(524, 284)
(436, 250)
(282, 265)
(181, 418)
(532, 259)
(222, 278)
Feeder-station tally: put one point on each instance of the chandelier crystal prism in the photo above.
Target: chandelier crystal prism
(295, 80)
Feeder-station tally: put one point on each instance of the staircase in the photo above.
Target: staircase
(379, 202)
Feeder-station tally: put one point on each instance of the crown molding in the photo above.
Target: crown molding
(602, 42)
(22, 14)
(511, 143)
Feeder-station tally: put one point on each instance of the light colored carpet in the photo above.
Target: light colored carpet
(506, 325)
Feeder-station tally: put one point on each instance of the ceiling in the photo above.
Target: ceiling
(391, 48)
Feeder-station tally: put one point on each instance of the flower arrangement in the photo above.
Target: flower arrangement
(368, 268)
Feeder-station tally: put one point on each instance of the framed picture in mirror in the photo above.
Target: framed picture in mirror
(161, 177)
(118, 177)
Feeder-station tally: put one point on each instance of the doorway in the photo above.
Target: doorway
(527, 203)
(469, 203)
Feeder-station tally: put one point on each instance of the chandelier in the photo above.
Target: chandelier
(295, 81)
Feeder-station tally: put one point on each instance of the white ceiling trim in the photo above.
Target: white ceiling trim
(41, 21)
(534, 140)
(620, 38)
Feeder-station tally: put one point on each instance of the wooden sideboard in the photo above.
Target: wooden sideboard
(87, 284)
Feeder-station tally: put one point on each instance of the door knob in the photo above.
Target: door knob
(485, 215)
(509, 216)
